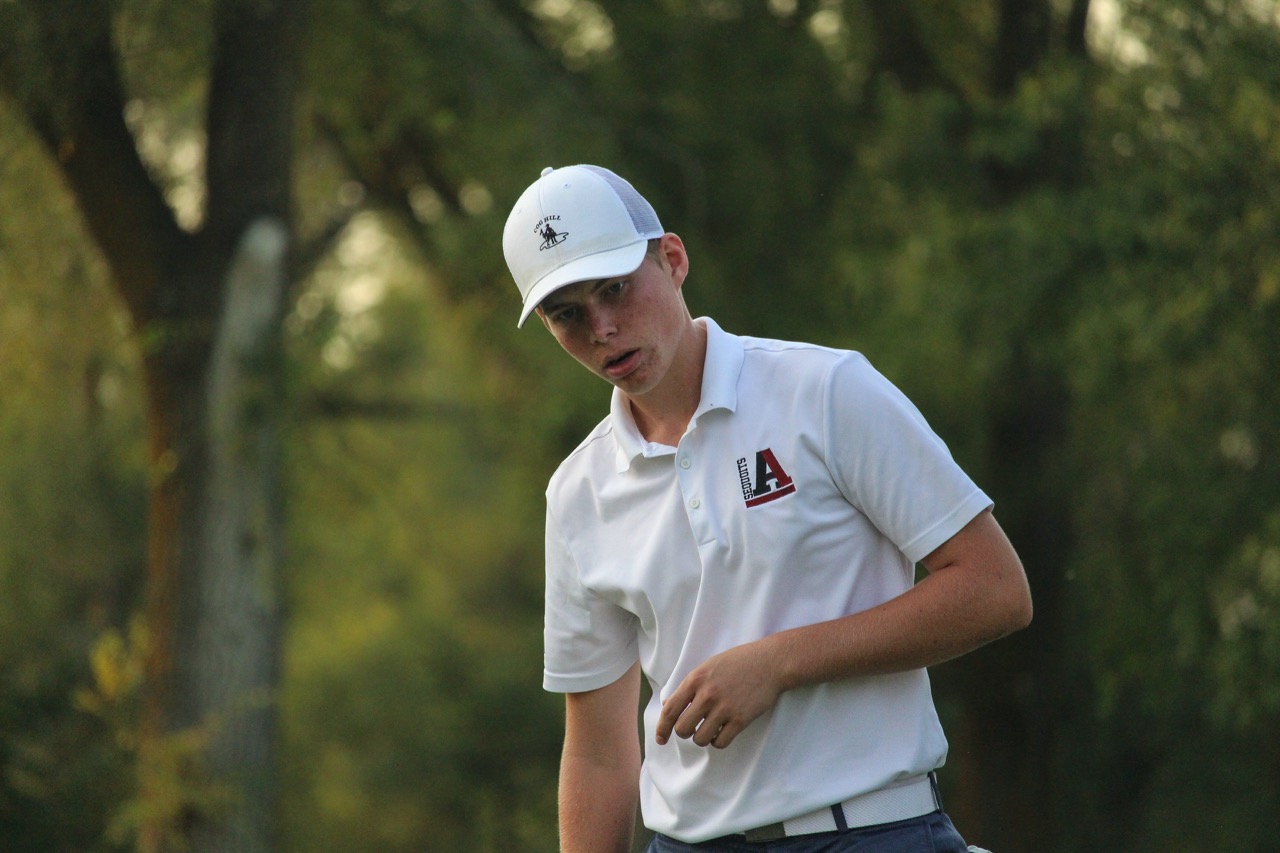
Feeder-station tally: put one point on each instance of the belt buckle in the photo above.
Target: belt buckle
(772, 832)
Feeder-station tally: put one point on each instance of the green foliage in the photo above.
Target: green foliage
(170, 782)
(412, 689)
(71, 510)
(1076, 281)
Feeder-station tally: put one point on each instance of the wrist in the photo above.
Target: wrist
(781, 662)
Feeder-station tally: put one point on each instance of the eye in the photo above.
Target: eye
(564, 315)
(616, 287)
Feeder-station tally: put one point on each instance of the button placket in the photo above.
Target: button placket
(687, 484)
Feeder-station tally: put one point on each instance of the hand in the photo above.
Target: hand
(721, 697)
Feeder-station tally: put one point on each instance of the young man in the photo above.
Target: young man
(741, 531)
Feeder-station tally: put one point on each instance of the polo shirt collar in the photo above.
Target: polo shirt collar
(720, 373)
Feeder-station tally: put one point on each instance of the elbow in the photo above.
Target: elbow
(1020, 610)
(1007, 611)
(1024, 615)
(1013, 617)
(1010, 606)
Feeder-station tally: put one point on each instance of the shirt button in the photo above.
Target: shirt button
(684, 463)
(695, 503)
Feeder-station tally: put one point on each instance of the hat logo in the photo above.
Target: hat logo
(550, 236)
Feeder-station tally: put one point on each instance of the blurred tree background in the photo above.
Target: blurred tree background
(1053, 223)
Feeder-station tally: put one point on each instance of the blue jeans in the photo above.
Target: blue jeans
(932, 833)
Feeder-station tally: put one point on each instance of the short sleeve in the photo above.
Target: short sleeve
(889, 463)
(588, 642)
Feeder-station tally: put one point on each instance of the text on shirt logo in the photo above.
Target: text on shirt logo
(771, 482)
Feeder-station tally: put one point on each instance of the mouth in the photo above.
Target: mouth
(622, 364)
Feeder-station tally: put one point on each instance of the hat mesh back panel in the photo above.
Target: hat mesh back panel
(641, 212)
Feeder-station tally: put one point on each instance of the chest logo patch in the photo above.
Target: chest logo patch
(769, 483)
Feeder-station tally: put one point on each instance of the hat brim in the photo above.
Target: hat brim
(607, 264)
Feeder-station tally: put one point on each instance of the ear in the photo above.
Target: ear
(671, 250)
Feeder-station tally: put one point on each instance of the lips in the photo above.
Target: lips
(621, 364)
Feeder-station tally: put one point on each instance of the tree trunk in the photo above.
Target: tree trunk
(213, 612)
(212, 718)
(232, 639)
(206, 308)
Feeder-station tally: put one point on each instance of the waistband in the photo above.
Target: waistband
(914, 798)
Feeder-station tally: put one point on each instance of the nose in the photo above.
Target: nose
(603, 325)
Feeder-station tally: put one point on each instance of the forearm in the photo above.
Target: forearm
(600, 768)
(597, 805)
(975, 592)
(939, 619)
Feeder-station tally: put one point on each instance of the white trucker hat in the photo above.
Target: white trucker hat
(576, 223)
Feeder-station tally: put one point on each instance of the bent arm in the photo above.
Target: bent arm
(975, 592)
(600, 767)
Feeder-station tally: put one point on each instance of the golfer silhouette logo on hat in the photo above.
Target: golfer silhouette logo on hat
(550, 237)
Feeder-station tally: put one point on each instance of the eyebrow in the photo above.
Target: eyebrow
(550, 304)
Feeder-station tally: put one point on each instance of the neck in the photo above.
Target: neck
(663, 414)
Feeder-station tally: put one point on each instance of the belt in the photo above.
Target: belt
(915, 798)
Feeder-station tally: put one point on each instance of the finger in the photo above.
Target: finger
(726, 735)
(671, 711)
(666, 721)
(691, 720)
(707, 732)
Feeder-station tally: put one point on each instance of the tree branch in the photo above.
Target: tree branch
(324, 406)
(308, 255)
(67, 83)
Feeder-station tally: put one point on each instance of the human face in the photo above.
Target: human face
(630, 329)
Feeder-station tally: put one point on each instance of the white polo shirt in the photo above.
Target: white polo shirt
(805, 489)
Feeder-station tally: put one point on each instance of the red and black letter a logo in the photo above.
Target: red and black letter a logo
(771, 481)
